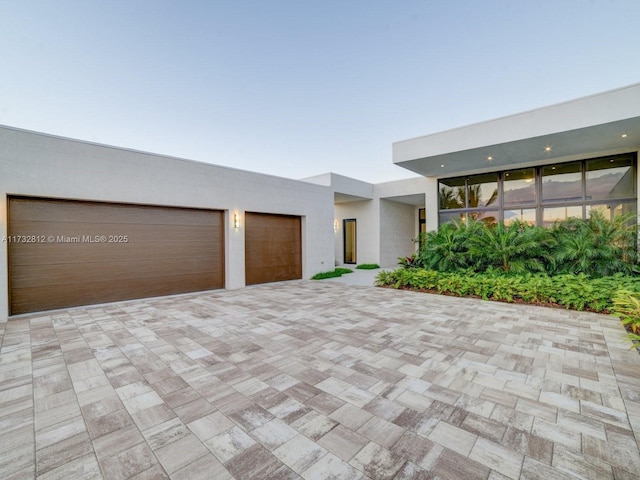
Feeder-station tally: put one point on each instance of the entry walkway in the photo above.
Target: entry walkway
(318, 380)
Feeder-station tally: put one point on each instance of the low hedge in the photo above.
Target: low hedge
(368, 266)
(338, 272)
(576, 292)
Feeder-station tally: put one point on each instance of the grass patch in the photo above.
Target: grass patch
(338, 272)
(368, 266)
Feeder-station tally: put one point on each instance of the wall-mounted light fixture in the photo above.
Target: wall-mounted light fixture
(335, 225)
(236, 221)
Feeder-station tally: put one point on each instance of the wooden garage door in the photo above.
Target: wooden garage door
(67, 253)
(273, 248)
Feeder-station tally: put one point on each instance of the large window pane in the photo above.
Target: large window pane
(611, 210)
(483, 190)
(557, 214)
(452, 193)
(609, 178)
(519, 186)
(484, 216)
(450, 217)
(525, 215)
(562, 183)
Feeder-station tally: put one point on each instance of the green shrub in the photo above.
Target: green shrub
(576, 292)
(596, 247)
(626, 305)
(338, 272)
(368, 266)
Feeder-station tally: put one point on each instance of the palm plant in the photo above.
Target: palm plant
(517, 247)
(597, 246)
(446, 249)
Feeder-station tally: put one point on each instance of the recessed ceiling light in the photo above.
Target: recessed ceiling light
(441, 166)
(553, 168)
(489, 158)
(547, 149)
(624, 135)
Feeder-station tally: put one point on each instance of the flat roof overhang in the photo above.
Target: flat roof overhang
(604, 123)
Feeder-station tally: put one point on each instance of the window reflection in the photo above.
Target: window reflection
(524, 215)
(452, 193)
(562, 182)
(483, 190)
(519, 186)
(609, 178)
(557, 214)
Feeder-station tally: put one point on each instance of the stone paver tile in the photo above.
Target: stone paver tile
(557, 434)
(530, 445)
(356, 396)
(484, 427)
(331, 467)
(314, 425)
(582, 466)
(60, 431)
(343, 442)
(210, 425)
(497, 457)
(333, 386)
(273, 434)
(251, 417)
(453, 465)
(387, 409)
(116, 442)
(454, 438)
(150, 417)
(254, 462)
(155, 472)
(230, 443)
(180, 453)
(299, 453)
(414, 400)
(290, 410)
(350, 416)
(377, 462)
(18, 459)
(381, 431)
(532, 469)
(417, 449)
(204, 468)
(160, 435)
(85, 467)
(625, 457)
(62, 452)
(192, 411)
(129, 463)
(604, 414)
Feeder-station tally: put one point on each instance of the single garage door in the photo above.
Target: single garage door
(273, 248)
(65, 253)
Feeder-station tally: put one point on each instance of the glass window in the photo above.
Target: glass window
(449, 217)
(562, 182)
(609, 178)
(557, 214)
(483, 190)
(610, 210)
(525, 215)
(519, 186)
(484, 216)
(452, 193)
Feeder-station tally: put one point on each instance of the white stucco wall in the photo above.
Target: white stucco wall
(366, 213)
(41, 165)
(398, 232)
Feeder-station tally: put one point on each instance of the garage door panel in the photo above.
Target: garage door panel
(42, 298)
(105, 213)
(273, 248)
(47, 254)
(185, 252)
(70, 232)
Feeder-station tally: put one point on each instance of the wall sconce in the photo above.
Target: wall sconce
(236, 221)
(335, 225)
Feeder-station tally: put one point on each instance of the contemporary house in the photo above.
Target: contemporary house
(83, 223)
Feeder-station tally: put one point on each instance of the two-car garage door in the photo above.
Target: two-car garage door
(65, 253)
(68, 253)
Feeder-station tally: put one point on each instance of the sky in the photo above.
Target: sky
(297, 88)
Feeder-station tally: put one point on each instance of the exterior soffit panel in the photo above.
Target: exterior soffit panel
(567, 145)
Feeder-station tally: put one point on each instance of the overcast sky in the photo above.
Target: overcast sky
(297, 88)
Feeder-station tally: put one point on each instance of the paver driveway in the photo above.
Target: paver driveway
(318, 380)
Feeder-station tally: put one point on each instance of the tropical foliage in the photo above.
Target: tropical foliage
(595, 247)
(626, 305)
